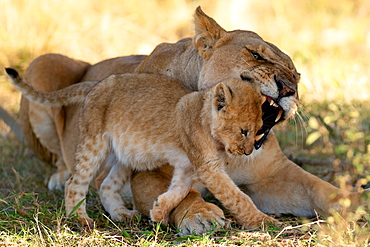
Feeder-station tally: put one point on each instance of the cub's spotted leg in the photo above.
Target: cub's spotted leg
(180, 186)
(110, 189)
(91, 152)
(214, 177)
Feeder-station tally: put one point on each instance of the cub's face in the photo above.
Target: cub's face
(236, 116)
(244, 55)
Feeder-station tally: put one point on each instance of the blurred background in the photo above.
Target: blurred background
(329, 42)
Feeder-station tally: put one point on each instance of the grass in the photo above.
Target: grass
(32, 215)
(329, 43)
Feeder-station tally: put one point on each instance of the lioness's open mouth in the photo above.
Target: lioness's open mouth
(272, 114)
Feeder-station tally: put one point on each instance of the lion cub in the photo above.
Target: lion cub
(147, 120)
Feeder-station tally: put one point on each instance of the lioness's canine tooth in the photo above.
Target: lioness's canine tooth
(279, 115)
(272, 103)
(257, 138)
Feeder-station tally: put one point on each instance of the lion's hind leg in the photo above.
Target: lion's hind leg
(44, 121)
(110, 188)
(58, 179)
(42, 125)
(91, 153)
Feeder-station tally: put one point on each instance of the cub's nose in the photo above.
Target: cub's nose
(248, 149)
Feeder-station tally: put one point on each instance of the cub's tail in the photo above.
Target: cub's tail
(70, 95)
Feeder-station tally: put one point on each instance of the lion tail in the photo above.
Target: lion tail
(67, 96)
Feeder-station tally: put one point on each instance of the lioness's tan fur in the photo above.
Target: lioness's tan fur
(275, 184)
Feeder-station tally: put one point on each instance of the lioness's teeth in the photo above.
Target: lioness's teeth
(257, 138)
(264, 98)
(279, 115)
(271, 102)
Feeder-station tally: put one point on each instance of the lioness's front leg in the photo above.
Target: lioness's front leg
(192, 215)
(292, 190)
(278, 186)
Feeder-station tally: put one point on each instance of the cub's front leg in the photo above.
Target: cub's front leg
(192, 216)
(180, 186)
(214, 177)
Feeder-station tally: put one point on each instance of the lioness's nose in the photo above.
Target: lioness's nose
(284, 89)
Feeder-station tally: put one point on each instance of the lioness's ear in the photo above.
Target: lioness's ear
(222, 96)
(207, 32)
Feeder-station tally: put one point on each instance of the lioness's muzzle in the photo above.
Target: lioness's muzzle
(272, 114)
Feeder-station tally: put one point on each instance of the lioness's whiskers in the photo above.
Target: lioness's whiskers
(302, 125)
(303, 113)
(246, 62)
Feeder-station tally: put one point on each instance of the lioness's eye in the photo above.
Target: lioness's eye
(257, 56)
(244, 132)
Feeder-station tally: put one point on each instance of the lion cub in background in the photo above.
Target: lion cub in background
(147, 120)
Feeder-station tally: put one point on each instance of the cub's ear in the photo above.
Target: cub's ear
(207, 32)
(222, 96)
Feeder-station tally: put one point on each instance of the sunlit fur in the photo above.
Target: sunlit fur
(145, 121)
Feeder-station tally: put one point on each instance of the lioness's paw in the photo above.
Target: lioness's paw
(202, 222)
(58, 180)
(122, 214)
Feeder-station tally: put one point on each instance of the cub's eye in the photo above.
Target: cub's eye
(244, 132)
(257, 56)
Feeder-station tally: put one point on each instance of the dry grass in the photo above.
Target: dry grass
(329, 41)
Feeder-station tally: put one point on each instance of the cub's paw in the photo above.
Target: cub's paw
(260, 221)
(201, 222)
(270, 221)
(159, 215)
(122, 214)
(86, 223)
(58, 180)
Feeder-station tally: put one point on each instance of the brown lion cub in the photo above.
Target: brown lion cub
(147, 120)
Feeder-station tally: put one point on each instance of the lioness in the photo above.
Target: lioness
(146, 120)
(275, 184)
